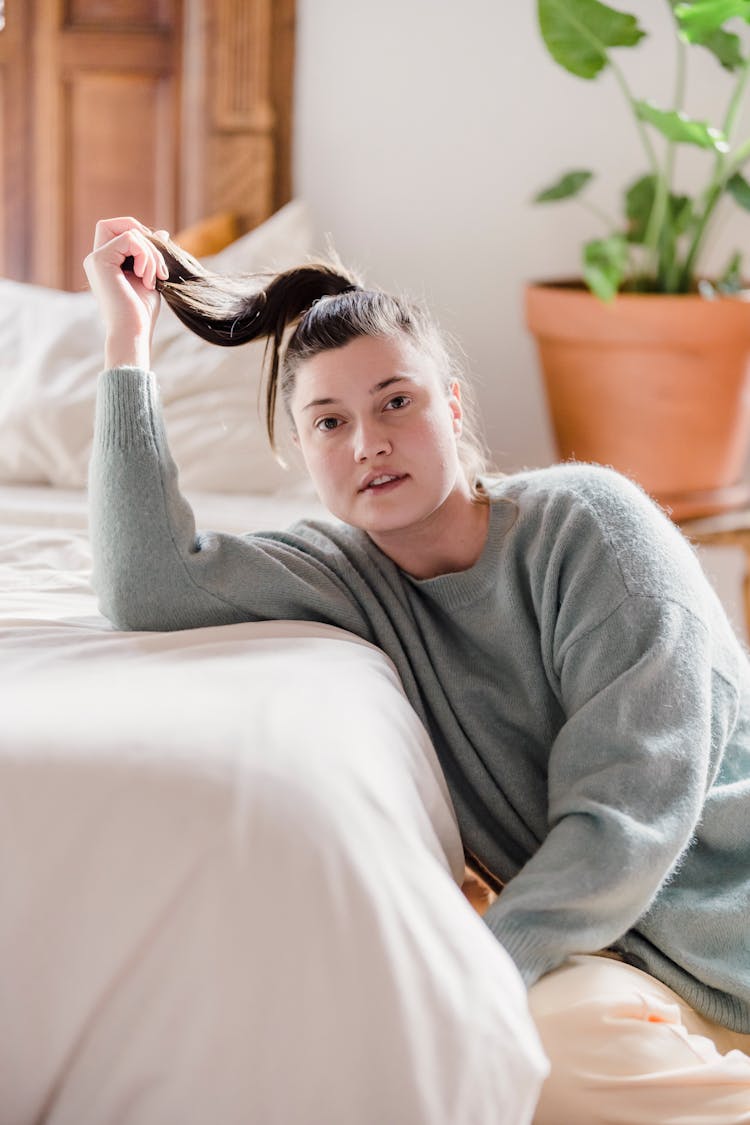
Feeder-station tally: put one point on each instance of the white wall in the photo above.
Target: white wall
(424, 127)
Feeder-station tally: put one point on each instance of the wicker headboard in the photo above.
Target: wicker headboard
(172, 110)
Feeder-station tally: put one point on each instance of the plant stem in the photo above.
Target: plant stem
(681, 65)
(642, 131)
(740, 156)
(664, 267)
(735, 102)
(680, 82)
(723, 172)
(598, 45)
(654, 220)
(713, 195)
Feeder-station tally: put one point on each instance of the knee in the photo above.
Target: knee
(601, 1027)
(620, 1050)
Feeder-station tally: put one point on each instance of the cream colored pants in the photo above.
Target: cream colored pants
(625, 1049)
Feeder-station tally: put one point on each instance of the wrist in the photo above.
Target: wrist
(130, 352)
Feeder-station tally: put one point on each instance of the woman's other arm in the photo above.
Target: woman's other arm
(646, 672)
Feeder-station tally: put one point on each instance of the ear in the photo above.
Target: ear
(454, 403)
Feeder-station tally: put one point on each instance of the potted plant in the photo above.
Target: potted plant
(646, 362)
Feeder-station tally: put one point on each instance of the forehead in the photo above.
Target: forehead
(361, 363)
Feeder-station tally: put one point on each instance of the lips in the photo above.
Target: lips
(375, 482)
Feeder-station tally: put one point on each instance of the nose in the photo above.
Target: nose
(371, 441)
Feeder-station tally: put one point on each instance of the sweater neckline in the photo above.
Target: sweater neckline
(462, 587)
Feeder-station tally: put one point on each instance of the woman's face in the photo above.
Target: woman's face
(378, 430)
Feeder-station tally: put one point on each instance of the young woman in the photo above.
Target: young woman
(587, 698)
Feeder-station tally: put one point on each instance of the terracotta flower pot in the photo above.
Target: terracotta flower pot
(654, 385)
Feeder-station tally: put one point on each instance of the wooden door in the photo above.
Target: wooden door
(170, 110)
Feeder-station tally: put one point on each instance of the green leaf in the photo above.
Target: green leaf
(681, 210)
(725, 47)
(699, 19)
(679, 127)
(700, 23)
(731, 279)
(739, 189)
(605, 263)
(639, 202)
(577, 33)
(567, 186)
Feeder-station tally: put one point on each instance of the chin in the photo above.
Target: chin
(395, 523)
(372, 524)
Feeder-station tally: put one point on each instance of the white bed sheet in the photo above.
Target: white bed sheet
(230, 869)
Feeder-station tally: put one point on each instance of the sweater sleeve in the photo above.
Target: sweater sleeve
(642, 664)
(627, 778)
(152, 570)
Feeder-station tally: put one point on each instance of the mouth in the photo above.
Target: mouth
(385, 482)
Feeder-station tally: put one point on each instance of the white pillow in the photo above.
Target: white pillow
(51, 347)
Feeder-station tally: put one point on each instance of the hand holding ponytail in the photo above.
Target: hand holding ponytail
(128, 302)
(131, 264)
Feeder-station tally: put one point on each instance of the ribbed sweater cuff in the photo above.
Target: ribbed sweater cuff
(125, 409)
(531, 960)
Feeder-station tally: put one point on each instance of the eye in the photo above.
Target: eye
(327, 425)
(398, 402)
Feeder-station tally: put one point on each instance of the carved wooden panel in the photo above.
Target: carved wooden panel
(171, 110)
(129, 170)
(14, 139)
(116, 12)
(239, 98)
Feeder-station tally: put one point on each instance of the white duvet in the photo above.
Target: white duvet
(230, 870)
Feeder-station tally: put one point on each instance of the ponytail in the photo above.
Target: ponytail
(230, 311)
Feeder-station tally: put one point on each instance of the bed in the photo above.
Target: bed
(232, 872)
(233, 885)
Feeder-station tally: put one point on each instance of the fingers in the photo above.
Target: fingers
(148, 261)
(107, 229)
(133, 249)
(145, 264)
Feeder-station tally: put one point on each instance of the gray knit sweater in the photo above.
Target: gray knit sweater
(587, 698)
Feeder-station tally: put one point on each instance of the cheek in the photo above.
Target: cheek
(320, 461)
(438, 433)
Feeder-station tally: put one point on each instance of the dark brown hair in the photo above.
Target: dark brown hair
(302, 312)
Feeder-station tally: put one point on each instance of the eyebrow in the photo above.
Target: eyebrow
(373, 391)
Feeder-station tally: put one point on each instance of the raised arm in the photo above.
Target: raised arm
(152, 569)
(128, 301)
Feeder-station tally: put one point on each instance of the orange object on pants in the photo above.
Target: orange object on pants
(627, 1050)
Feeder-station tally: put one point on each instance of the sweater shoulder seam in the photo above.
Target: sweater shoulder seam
(632, 595)
(629, 592)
